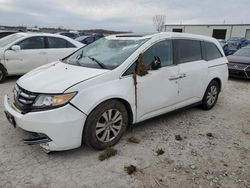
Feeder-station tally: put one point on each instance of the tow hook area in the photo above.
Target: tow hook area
(37, 138)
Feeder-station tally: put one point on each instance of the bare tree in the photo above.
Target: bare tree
(159, 21)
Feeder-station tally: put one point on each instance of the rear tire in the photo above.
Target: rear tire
(3, 73)
(105, 125)
(211, 95)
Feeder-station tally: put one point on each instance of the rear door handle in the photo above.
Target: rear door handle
(43, 53)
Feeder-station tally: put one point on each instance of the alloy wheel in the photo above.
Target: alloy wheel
(212, 95)
(109, 125)
(1, 74)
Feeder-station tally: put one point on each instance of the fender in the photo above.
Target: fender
(90, 97)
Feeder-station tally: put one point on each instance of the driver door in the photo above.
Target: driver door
(31, 55)
(157, 91)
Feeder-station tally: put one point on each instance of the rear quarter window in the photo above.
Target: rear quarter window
(212, 52)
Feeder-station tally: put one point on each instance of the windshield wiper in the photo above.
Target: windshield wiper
(98, 62)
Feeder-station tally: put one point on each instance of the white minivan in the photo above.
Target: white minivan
(92, 95)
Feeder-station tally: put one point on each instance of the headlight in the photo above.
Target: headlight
(51, 101)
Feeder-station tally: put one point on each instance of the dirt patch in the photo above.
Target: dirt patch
(134, 140)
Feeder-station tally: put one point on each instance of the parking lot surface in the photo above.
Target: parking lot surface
(200, 149)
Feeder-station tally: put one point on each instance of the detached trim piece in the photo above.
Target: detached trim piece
(37, 139)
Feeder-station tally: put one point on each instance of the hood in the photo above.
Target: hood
(238, 59)
(56, 77)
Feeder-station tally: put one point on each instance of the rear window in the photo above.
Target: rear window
(188, 50)
(54, 42)
(212, 52)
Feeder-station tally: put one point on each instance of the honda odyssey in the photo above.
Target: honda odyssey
(92, 95)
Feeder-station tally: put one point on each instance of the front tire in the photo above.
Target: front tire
(2, 74)
(211, 95)
(105, 125)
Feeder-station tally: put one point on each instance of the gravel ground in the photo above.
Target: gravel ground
(214, 151)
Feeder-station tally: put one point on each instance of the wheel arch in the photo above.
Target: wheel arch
(218, 81)
(2, 65)
(125, 103)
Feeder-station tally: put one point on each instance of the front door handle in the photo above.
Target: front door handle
(42, 53)
(183, 75)
(174, 77)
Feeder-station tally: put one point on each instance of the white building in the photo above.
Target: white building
(223, 31)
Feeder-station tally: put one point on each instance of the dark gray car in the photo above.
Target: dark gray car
(239, 63)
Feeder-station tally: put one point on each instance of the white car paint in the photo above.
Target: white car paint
(22, 61)
(158, 92)
(66, 76)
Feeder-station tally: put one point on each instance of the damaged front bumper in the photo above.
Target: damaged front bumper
(54, 130)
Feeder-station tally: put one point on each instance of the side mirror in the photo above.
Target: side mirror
(156, 64)
(15, 48)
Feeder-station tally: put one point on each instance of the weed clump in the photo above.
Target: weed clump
(107, 153)
(210, 135)
(178, 137)
(141, 68)
(160, 151)
(130, 169)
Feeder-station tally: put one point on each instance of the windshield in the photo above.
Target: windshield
(243, 52)
(105, 53)
(9, 39)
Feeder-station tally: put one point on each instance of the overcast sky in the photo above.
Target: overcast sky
(123, 15)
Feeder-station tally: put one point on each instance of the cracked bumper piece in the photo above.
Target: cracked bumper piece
(63, 126)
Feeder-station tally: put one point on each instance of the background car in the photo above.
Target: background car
(98, 35)
(22, 52)
(238, 42)
(72, 35)
(6, 33)
(239, 63)
(88, 39)
(224, 46)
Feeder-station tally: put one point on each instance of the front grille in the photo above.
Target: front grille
(237, 66)
(23, 99)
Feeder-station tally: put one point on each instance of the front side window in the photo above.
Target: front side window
(105, 53)
(161, 51)
(212, 52)
(188, 50)
(32, 43)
